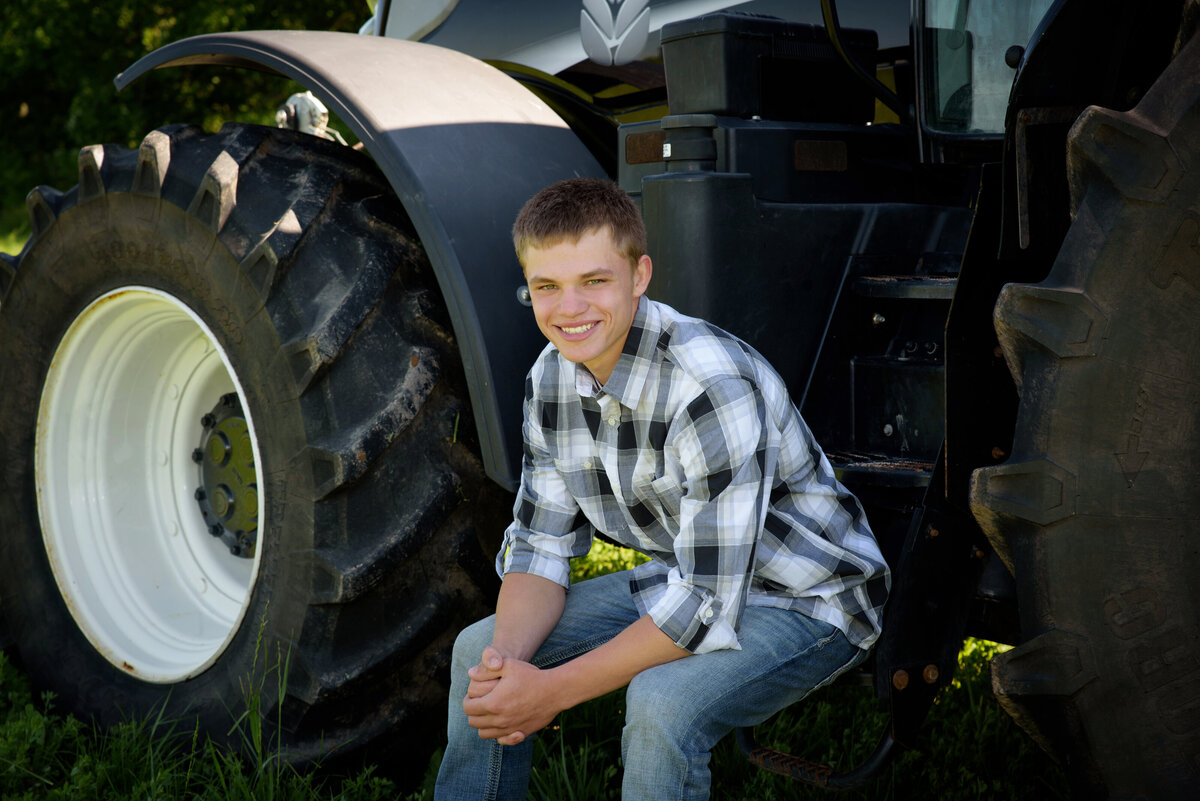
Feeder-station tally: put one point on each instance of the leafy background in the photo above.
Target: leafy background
(58, 59)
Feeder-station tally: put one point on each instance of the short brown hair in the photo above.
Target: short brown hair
(569, 209)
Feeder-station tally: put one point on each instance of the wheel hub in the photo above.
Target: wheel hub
(228, 492)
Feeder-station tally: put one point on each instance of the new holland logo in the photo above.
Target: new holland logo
(614, 31)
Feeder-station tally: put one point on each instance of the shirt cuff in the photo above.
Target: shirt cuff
(520, 553)
(692, 617)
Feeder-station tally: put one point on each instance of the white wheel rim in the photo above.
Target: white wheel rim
(119, 418)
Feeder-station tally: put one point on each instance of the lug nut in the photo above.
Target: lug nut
(197, 455)
(215, 529)
(200, 494)
(208, 420)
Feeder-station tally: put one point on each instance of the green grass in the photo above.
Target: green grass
(14, 230)
(968, 749)
(46, 755)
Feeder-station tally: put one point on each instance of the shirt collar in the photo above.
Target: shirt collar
(632, 369)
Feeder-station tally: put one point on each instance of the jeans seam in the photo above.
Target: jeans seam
(853, 660)
(570, 651)
(495, 756)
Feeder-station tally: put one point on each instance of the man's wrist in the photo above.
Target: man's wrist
(508, 651)
(560, 688)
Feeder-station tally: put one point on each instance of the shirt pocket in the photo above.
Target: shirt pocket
(581, 478)
(661, 494)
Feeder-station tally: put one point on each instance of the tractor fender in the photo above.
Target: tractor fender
(463, 146)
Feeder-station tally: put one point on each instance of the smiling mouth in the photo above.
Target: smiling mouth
(578, 329)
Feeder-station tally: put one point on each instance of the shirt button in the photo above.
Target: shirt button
(587, 464)
(612, 421)
(708, 613)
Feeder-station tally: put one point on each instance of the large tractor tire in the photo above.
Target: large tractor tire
(238, 460)
(1097, 512)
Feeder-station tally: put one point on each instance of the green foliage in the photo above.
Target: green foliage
(578, 757)
(968, 748)
(50, 757)
(604, 558)
(60, 57)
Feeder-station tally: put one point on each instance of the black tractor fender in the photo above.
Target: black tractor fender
(463, 146)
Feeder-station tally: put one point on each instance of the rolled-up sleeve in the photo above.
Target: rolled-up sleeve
(726, 458)
(548, 527)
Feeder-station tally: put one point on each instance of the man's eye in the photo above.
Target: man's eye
(596, 281)
(545, 287)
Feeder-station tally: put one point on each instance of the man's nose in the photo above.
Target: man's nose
(573, 302)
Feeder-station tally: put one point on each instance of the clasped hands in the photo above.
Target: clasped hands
(507, 699)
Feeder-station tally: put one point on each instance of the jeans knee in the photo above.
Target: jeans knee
(664, 747)
(656, 714)
(469, 645)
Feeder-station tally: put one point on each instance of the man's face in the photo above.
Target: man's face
(584, 296)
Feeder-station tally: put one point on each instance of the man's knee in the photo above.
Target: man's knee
(469, 645)
(656, 712)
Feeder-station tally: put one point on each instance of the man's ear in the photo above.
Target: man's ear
(641, 275)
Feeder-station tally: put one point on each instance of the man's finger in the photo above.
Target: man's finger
(478, 689)
(516, 738)
(484, 672)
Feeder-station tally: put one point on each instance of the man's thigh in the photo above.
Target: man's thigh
(784, 656)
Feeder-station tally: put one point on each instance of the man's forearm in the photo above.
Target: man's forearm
(527, 610)
(639, 646)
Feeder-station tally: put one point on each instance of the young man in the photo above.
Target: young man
(676, 439)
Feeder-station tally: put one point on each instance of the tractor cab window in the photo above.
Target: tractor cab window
(967, 79)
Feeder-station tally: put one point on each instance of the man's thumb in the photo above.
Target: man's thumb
(492, 658)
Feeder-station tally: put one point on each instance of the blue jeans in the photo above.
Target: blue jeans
(675, 713)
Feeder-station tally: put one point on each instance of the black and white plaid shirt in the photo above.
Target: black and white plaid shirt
(694, 454)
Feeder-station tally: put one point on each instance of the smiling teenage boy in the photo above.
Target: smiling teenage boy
(674, 438)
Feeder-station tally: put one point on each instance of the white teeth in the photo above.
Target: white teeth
(577, 329)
